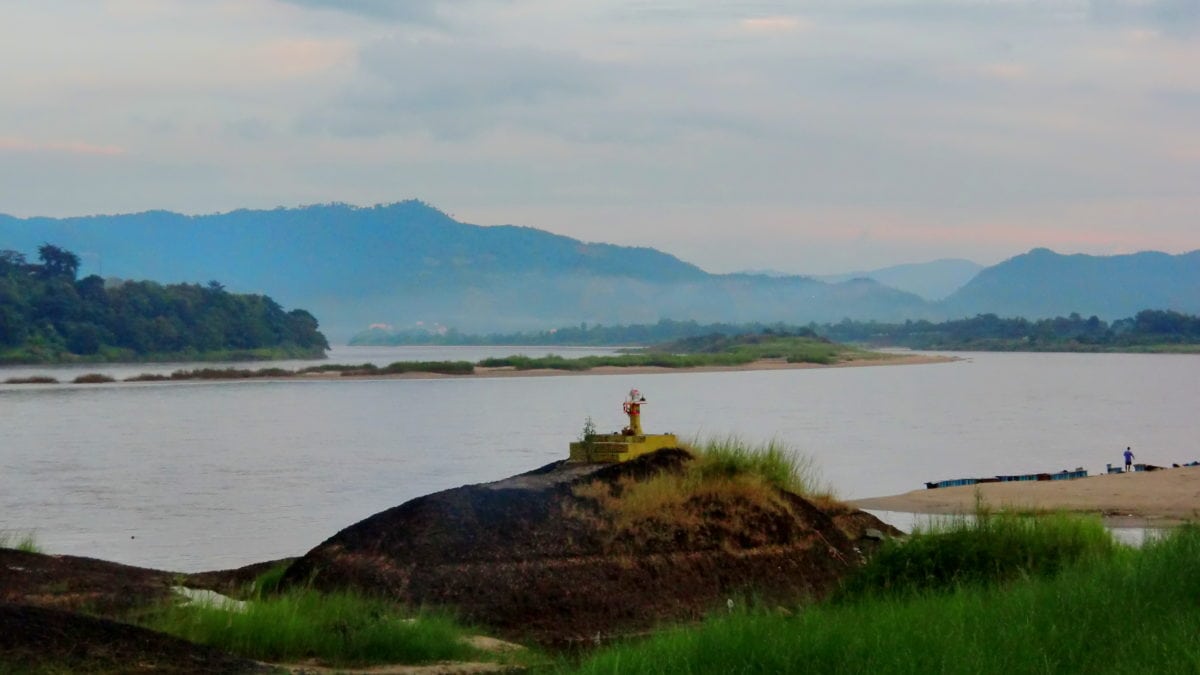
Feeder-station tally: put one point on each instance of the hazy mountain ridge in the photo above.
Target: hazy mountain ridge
(1043, 284)
(405, 262)
(933, 280)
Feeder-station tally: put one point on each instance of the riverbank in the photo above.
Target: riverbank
(459, 370)
(761, 364)
(1154, 498)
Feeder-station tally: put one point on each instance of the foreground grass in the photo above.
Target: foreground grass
(1132, 611)
(340, 629)
(990, 548)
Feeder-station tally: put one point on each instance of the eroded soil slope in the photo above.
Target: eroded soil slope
(569, 552)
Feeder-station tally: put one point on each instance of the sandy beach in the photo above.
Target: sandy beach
(1166, 497)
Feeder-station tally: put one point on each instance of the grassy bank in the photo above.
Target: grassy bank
(973, 609)
(339, 629)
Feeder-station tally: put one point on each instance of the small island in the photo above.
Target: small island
(47, 315)
(762, 351)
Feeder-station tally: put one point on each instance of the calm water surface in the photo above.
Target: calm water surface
(192, 476)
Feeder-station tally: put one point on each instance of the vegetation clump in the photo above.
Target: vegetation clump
(339, 629)
(93, 378)
(21, 541)
(724, 470)
(47, 315)
(989, 548)
(35, 379)
(1130, 611)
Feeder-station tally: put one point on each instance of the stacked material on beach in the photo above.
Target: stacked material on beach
(1065, 474)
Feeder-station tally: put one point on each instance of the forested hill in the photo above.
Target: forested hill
(408, 262)
(48, 315)
(1042, 284)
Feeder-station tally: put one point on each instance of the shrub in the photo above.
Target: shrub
(439, 367)
(148, 377)
(34, 379)
(93, 378)
(339, 368)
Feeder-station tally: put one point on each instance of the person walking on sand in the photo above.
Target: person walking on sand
(1128, 460)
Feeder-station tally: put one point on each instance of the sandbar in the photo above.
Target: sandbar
(1149, 498)
(762, 364)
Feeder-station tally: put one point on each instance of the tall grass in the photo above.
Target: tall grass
(1136, 611)
(341, 629)
(725, 469)
(988, 548)
(21, 541)
(776, 462)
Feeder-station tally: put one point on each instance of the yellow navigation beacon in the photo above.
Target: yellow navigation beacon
(629, 443)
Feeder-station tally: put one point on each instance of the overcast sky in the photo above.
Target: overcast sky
(809, 136)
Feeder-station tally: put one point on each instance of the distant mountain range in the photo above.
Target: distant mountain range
(1042, 284)
(932, 280)
(402, 263)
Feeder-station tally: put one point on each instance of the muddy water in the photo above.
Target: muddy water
(193, 476)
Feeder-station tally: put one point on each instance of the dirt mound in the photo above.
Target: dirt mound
(75, 583)
(38, 639)
(557, 554)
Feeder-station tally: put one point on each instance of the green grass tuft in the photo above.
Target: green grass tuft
(268, 583)
(340, 629)
(775, 462)
(21, 541)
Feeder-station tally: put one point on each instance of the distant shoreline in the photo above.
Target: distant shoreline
(1151, 498)
(510, 371)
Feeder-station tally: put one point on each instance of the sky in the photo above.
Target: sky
(811, 137)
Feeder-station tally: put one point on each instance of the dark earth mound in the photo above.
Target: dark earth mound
(42, 640)
(542, 555)
(80, 584)
(62, 614)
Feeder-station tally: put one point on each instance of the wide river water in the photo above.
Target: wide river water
(192, 476)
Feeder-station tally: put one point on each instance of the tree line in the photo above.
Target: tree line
(983, 332)
(582, 335)
(47, 315)
(1148, 328)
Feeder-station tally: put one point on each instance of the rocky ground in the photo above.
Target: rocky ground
(539, 557)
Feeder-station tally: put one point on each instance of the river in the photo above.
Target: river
(202, 475)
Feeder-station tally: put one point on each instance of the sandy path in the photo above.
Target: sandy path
(1156, 497)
